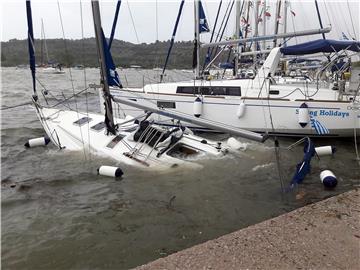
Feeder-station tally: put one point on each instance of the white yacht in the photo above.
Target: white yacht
(259, 104)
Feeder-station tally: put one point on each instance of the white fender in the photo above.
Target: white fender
(235, 144)
(197, 107)
(325, 150)
(241, 110)
(110, 171)
(303, 116)
(328, 179)
(42, 141)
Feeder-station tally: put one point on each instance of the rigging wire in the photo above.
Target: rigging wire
(15, 106)
(352, 23)
(218, 37)
(267, 85)
(335, 15)
(134, 27)
(71, 77)
(344, 20)
(85, 79)
(133, 22)
(293, 24)
(355, 132)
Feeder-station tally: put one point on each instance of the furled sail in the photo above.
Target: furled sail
(322, 46)
(112, 75)
(31, 43)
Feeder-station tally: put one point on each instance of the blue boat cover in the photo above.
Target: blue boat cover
(112, 75)
(322, 46)
(302, 60)
(226, 65)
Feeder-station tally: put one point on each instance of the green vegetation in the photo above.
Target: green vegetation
(83, 52)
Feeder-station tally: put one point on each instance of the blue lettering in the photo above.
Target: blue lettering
(313, 113)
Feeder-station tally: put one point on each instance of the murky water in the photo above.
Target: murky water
(57, 213)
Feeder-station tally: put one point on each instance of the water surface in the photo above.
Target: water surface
(57, 213)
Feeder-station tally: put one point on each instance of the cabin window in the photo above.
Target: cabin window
(115, 141)
(166, 104)
(233, 91)
(212, 90)
(98, 126)
(205, 90)
(185, 90)
(274, 92)
(218, 91)
(183, 151)
(82, 121)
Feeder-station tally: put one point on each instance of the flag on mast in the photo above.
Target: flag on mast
(203, 24)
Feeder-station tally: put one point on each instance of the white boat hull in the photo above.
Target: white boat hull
(277, 116)
(61, 129)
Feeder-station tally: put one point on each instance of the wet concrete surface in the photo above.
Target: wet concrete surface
(323, 235)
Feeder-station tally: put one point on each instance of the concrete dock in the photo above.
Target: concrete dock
(323, 235)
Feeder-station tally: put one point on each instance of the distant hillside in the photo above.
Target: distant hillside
(83, 52)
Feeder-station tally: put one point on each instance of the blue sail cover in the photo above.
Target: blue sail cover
(112, 76)
(203, 24)
(31, 43)
(322, 46)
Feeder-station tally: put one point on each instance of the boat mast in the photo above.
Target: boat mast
(109, 119)
(320, 21)
(44, 43)
(237, 36)
(247, 19)
(197, 39)
(285, 16)
(277, 19)
(256, 23)
(264, 24)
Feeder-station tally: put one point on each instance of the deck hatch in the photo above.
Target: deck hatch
(82, 121)
(98, 126)
(166, 104)
(115, 141)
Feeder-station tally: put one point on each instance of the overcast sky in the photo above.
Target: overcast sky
(146, 21)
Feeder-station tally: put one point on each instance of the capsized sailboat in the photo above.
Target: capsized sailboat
(134, 141)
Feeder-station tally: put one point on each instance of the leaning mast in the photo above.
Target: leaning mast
(109, 119)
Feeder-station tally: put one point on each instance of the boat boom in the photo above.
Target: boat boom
(201, 122)
(268, 37)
